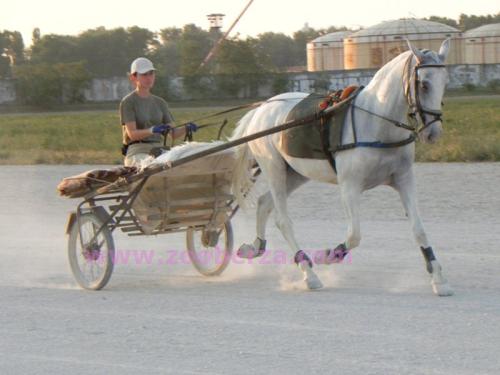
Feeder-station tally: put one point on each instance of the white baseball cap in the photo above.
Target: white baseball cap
(141, 65)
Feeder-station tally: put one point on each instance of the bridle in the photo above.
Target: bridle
(416, 107)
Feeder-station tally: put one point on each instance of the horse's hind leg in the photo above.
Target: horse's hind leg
(405, 185)
(351, 193)
(275, 170)
(265, 206)
(258, 247)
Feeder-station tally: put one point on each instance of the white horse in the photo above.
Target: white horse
(402, 102)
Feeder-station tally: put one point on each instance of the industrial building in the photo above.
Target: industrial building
(373, 47)
(482, 45)
(327, 52)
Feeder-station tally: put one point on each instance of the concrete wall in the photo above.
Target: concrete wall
(307, 82)
(114, 89)
(7, 91)
(478, 75)
(108, 89)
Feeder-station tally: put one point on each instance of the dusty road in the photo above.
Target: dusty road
(376, 315)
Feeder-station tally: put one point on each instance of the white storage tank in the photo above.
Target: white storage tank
(482, 45)
(327, 52)
(375, 46)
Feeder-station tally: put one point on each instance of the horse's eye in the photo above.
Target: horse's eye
(425, 85)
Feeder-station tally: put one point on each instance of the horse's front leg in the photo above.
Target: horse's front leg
(351, 194)
(405, 185)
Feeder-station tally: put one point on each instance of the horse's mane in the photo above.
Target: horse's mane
(397, 64)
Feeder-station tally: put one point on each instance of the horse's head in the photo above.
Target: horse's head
(425, 85)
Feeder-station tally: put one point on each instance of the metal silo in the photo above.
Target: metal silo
(373, 47)
(482, 45)
(327, 52)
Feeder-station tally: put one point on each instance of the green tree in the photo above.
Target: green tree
(305, 35)
(46, 84)
(35, 35)
(11, 51)
(333, 29)
(37, 84)
(236, 56)
(53, 49)
(4, 67)
(444, 20)
(14, 47)
(237, 67)
(467, 22)
(109, 52)
(301, 38)
(280, 83)
(73, 80)
(170, 35)
(195, 44)
(167, 55)
(276, 51)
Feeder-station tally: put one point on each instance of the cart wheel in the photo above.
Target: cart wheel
(92, 265)
(210, 252)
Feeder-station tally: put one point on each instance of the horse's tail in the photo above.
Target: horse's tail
(243, 180)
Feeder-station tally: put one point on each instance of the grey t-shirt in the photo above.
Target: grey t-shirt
(146, 112)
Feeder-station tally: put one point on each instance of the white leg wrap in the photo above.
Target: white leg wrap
(439, 284)
(311, 279)
(247, 251)
(250, 251)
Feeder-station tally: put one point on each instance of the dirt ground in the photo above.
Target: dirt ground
(376, 314)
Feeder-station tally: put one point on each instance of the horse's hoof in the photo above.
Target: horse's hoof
(247, 251)
(439, 284)
(442, 289)
(313, 283)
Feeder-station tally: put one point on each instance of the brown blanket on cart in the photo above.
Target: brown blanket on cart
(79, 185)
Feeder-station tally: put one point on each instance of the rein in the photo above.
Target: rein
(189, 134)
(233, 109)
(377, 144)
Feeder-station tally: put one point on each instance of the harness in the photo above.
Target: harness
(414, 108)
(417, 107)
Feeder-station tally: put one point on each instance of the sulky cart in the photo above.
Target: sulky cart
(191, 194)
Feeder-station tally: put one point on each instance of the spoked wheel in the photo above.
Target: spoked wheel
(210, 251)
(92, 263)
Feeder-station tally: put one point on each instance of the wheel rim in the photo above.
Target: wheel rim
(210, 257)
(91, 255)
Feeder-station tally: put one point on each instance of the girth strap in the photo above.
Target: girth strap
(325, 142)
(378, 144)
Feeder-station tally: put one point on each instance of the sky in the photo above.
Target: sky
(286, 16)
